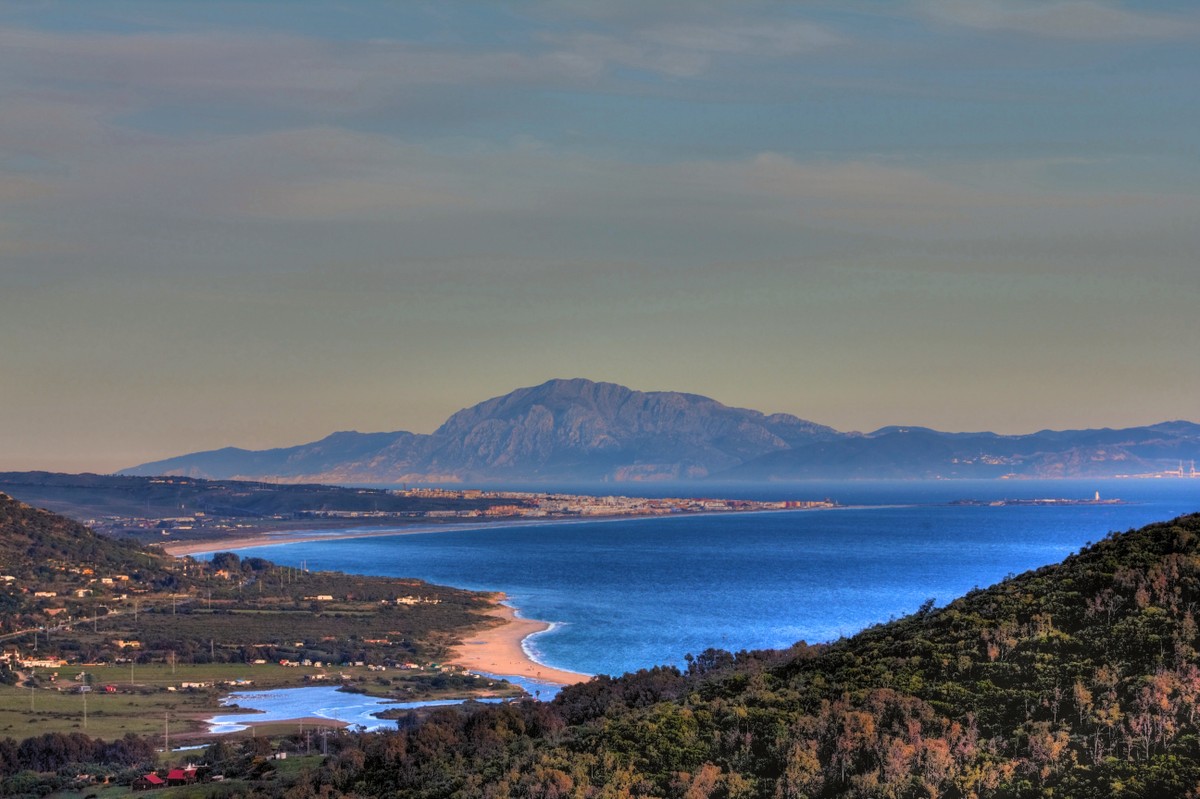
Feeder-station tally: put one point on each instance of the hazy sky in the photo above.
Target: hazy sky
(255, 223)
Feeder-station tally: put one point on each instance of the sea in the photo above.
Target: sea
(629, 594)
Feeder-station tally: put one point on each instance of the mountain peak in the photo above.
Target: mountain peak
(572, 430)
(578, 429)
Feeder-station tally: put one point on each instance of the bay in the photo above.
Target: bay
(634, 593)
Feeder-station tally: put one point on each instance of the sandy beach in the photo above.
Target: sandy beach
(497, 650)
(270, 539)
(275, 538)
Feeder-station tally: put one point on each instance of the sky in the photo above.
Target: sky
(256, 223)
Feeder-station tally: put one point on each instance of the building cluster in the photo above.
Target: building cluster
(53, 594)
(199, 521)
(525, 504)
(187, 775)
(414, 600)
(484, 505)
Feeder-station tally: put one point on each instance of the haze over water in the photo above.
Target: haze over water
(631, 594)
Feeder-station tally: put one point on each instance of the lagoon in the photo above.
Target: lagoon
(318, 702)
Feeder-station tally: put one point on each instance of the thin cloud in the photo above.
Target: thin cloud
(1069, 19)
(869, 198)
(764, 39)
(277, 69)
(689, 49)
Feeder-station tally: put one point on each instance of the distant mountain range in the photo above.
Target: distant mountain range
(577, 431)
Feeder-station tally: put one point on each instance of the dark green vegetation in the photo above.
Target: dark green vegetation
(1077, 680)
(145, 507)
(43, 763)
(74, 765)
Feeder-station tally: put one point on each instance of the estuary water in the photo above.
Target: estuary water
(630, 594)
(318, 703)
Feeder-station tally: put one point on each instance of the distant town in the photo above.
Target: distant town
(177, 510)
(476, 504)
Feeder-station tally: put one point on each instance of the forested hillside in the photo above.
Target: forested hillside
(1077, 680)
(34, 541)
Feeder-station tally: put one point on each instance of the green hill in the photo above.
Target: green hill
(35, 541)
(84, 595)
(147, 508)
(1077, 680)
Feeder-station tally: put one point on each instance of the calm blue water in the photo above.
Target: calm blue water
(322, 701)
(635, 593)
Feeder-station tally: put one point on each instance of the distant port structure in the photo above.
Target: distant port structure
(1044, 501)
(1180, 473)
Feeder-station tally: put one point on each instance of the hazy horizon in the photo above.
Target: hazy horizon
(253, 224)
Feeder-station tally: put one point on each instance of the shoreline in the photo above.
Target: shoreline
(271, 538)
(500, 649)
(282, 537)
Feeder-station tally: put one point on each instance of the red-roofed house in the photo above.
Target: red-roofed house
(149, 781)
(181, 776)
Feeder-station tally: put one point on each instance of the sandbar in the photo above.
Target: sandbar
(498, 650)
(316, 534)
(270, 538)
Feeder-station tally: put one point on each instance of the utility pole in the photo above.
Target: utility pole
(167, 731)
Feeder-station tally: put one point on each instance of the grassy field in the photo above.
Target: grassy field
(142, 709)
(142, 703)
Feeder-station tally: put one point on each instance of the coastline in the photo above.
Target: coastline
(500, 649)
(282, 537)
(496, 651)
(270, 539)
